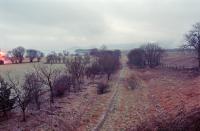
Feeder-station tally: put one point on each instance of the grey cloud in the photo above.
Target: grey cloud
(89, 23)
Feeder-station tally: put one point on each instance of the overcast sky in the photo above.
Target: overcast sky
(65, 24)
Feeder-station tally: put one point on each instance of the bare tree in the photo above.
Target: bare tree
(153, 54)
(23, 95)
(31, 54)
(136, 57)
(76, 68)
(93, 70)
(39, 55)
(62, 83)
(47, 75)
(109, 62)
(18, 53)
(52, 58)
(193, 40)
(6, 101)
(33, 83)
(11, 57)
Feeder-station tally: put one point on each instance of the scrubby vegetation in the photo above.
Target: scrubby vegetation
(183, 122)
(42, 80)
(62, 85)
(133, 82)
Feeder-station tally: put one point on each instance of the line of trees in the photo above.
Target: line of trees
(106, 62)
(147, 55)
(57, 58)
(17, 54)
(32, 54)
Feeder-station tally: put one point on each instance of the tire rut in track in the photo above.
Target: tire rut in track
(113, 105)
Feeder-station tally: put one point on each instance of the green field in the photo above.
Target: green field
(18, 70)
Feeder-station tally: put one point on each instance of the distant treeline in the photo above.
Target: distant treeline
(18, 54)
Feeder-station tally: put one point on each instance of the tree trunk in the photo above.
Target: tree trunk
(51, 95)
(24, 115)
(5, 113)
(37, 102)
(108, 76)
(20, 60)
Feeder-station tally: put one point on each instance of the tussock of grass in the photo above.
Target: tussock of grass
(134, 82)
(189, 121)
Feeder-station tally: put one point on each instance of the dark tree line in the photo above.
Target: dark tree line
(34, 54)
(57, 58)
(107, 62)
(147, 55)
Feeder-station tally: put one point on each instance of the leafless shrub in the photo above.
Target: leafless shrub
(47, 76)
(33, 83)
(76, 68)
(102, 88)
(136, 57)
(62, 84)
(133, 82)
(93, 70)
(23, 95)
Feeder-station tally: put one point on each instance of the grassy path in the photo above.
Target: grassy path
(127, 108)
(113, 104)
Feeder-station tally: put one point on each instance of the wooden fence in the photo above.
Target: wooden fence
(179, 68)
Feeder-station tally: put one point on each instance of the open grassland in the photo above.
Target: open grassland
(180, 58)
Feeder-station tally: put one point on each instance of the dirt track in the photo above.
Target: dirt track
(126, 108)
